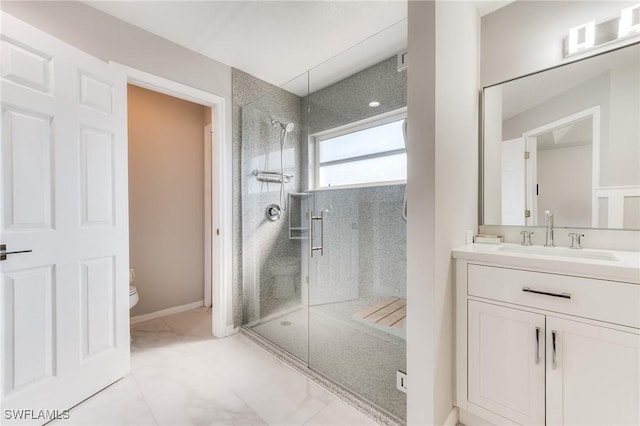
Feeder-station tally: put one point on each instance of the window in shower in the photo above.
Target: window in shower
(371, 151)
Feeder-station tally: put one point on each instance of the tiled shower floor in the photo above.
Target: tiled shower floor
(356, 356)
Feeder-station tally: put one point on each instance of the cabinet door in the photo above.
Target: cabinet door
(595, 377)
(506, 362)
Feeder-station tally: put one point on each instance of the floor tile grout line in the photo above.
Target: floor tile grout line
(298, 373)
(144, 397)
(226, 383)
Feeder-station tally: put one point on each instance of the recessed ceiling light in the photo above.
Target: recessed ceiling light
(374, 104)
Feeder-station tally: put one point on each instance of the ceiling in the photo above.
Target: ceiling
(277, 41)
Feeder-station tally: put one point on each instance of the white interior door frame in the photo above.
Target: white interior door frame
(220, 181)
(594, 113)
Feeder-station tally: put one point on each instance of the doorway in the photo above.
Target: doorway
(167, 184)
(218, 176)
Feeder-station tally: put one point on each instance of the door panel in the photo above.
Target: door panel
(97, 164)
(98, 294)
(513, 182)
(26, 66)
(64, 168)
(27, 169)
(595, 379)
(29, 310)
(506, 362)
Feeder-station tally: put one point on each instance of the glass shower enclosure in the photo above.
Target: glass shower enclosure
(323, 225)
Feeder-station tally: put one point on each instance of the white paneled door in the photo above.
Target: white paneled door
(64, 319)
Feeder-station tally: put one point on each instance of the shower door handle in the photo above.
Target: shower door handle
(312, 219)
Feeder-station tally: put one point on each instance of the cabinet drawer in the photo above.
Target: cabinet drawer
(609, 301)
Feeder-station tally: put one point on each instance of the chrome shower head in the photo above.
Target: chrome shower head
(286, 128)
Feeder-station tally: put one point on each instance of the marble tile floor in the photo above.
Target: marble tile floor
(181, 375)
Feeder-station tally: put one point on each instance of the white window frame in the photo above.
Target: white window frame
(367, 123)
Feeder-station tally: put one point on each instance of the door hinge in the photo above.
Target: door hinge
(401, 381)
(527, 155)
(527, 213)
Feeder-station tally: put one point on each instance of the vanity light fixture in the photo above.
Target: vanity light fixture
(582, 37)
(374, 104)
(593, 35)
(629, 21)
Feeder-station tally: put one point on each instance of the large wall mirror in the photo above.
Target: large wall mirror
(566, 139)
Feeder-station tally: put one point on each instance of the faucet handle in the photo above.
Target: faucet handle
(526, 238)
(576, 240)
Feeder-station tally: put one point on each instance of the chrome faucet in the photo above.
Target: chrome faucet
(576, 240)
(548, 216)
(526, 238)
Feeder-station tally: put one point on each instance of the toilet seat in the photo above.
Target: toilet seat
(133, 296)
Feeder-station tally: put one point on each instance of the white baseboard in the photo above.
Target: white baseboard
(164, 312)
(452, 418)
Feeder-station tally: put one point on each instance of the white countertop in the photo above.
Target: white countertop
(602, 264)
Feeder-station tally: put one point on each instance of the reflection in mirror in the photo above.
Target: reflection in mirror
(568, 140)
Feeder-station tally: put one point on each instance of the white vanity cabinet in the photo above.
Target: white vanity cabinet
(538, 346)
(506, 362)
(595, 378)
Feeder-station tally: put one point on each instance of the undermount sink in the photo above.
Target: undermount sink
(556, 251)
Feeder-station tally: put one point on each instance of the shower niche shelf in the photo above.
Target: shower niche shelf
(297, 204)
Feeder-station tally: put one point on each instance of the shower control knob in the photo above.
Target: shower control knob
(273, 212)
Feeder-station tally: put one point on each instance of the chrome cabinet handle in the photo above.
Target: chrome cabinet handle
(4, 252)
(553, 344)
(546, 293)
(313, 248)
(537, 345)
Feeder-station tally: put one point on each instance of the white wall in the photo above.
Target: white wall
(493, 137)
(524, 37)
(443, 184)
(457, 85)
(421, 181)
(570, 201)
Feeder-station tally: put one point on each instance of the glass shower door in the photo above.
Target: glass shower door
(356, 287)
(357, 292)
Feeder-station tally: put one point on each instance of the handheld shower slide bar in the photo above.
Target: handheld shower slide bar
(271, 177)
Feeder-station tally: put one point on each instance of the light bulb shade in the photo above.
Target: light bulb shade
(629, 21)
(582, 37)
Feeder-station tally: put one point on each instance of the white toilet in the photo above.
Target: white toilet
(133, 292)
(284, 273)
(133, 296)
